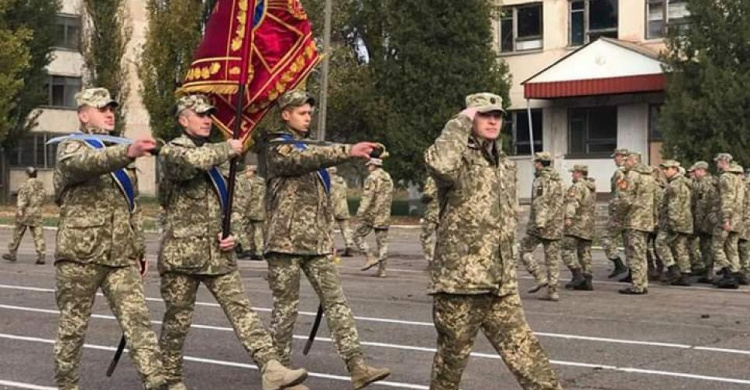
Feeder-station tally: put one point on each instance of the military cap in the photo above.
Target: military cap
(376, 162)
(252, 167)
(620, 152)
(95, 97)
(579, 168)
(485, 102)
(723, 156)
(669, 164)
(542, 156)
(295, 98)
(332, 170)
(699, 165)
(198, 103)
(634, 154)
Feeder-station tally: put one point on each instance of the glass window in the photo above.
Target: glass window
(68, 32)
(592, 19)
(654, 133)
(663, 14)
(592, 131)
(32, 151)
(521, 28)
(62, 91)
(518, 126)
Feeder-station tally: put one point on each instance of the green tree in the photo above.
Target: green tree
(14, 61)
(107, 35)
(707, 107)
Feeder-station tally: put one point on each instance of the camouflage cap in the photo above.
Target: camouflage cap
(620, 152)
(634, 154)
(295, 98)
(579, 168)
(543, 156)
(376, 162)
(95, 97)
(699, 165)
(724, 156)
(199, 104)
(669, 164)
(485, 102)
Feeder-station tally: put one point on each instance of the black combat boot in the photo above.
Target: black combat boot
(619, 267)
(633, 291)
(587, 284)
(683, 280)
(741, 278)
(673, 275)
(576, 280)
(347, 252)
(727, 280)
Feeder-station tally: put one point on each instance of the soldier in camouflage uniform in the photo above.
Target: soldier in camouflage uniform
(614, 224)
(580, 215)
(31, 197)
(545, 226)
(654, 247)
(637, 197)
(730, 204)
(100, 242)
(705, 195)
(299, 237)
(256, 213)
(675, 225)
(473, 278)
(430, 219)
(744, 241)
(374, 213)
(339, 195)
(194, 252)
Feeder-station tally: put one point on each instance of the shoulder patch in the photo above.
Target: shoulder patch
(72, 147)
(622, 184)
(285, 150)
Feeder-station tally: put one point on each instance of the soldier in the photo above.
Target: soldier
(241, 206)
(675, 225)
(374, 213)
(637, 193)
(744, 242)
(474, 283)
(545, 226)
(614, 224)
(654, 247)
(580, 214)
(31, 197)
(339, 195)
(704, 218)
(100, 242)
(299, 233)
(430, 219)
(256, 213)
(194, 252)
(730, 204)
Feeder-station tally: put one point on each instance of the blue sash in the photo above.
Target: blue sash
(323, 175)
(220, 185)
(120, 176)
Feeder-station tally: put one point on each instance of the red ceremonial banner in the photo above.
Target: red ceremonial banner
(281, 54)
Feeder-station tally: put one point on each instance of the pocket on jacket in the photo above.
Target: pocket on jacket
(189, 247)
(81, 236)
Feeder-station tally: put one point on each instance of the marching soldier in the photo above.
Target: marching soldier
(430, 219)
(614, 225)
(729, 225)
(655, 247)
(374, 213)
(545, 226)
(675, 225)
(339, 192)
(744, 242)
(100, 242)
(256, 213)
(193, 194)
(580, 208)
(704, 218)
(299, 234)
(31, 198)
(474, 283)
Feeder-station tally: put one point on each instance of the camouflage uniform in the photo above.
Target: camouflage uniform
(99, 243)
(656, 247)
(31, 198)
(339, 195)
(675, 222)
(637, 198)
(375, 212)
(731, 198)
(580, 210)
(545, 226)
(614, 229)
(744, 242)
(256, 214)
(705, 193)
(473, 277)
(430, 219)
(242, 190)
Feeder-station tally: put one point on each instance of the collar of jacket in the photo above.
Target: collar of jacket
(491, 150)
(93, 130)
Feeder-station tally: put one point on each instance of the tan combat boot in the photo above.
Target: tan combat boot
(10, 257)
(552, 295)
(362, 374)
(371, 262)
(541, 282)
(275, 376)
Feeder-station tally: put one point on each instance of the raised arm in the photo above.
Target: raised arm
(185, 163)
(289, 160)
(443, 158)
(79, 162)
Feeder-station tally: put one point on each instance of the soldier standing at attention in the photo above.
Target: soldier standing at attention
(100, 242)
(473, 281)
(675, 225)
(299, 233)
(580, 209)
(614, 224)
(194, 252)
(374, 213)
(704, 218)
(31, 198)
(256, 213)
(339, 195)
(545, 226)
(430, 219)
(727, 231)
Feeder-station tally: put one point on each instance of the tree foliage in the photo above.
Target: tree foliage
(14, 60)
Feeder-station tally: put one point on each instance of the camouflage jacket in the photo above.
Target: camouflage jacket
(580, 209)
(746, 211)
(430, 201)
(638, 196)
(476, 235)
(732, 198)
(703, 200)
(339, 195)
(613, 209)
(257, 210)
(193, 215)
(96, 224)
(547, 215)
(377, 197)
(31, 198)
(659, 191)
(676, 214)
(299, 212)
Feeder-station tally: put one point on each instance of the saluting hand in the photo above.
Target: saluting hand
(226, 244)
(363, 149)
(141, 147)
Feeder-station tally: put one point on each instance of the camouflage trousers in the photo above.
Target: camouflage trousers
(381, 238)
(744, 251)
(705, 260)
(576, 254)
(76, 290)
(613, 233)
(37, 233)
(346, 232)
(458, 318)
(551, 258)
(179, 293)
(255, 235)
(672, 248)
(636, 246)
(725, 250)
(284, 280)
(427, 238)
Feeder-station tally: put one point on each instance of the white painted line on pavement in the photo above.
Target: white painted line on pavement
(20, 385)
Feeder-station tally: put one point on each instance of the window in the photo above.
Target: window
(592, 131)
(62, 91)
(518, 126)
(68, 32)
(654, 133)
(33, 151)
(521, 28)
(658, 20)
(592, 19)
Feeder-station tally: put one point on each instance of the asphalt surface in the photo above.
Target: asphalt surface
(673, 338)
